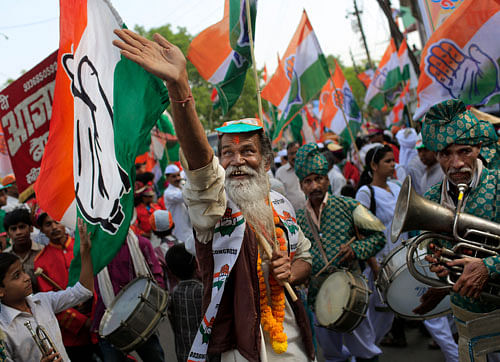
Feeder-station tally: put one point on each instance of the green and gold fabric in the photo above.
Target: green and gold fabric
(483, 201)
(489, 145)
(448, 123)
(310, 160)
(336, 228)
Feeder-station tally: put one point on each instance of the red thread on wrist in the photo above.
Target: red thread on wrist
(184, 101)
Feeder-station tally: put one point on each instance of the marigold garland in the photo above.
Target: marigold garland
(272, 316)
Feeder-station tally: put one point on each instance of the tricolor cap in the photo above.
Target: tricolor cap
(161, 220)
(419, 144)
(241, 126)
(8, 180)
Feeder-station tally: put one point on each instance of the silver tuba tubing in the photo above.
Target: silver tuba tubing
(413, 212)
(42, 339)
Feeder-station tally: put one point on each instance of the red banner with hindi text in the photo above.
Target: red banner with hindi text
(25, 111)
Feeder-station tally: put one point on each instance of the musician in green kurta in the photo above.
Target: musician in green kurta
(329, 222)
(457, 135)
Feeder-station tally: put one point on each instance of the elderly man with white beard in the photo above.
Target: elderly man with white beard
(247, 314)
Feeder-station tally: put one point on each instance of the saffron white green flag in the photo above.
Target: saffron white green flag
(221, 53)
(460, 60)
(396, 115)
(387, 77)
(404, 61)
(337, 106)
(104, 108)
(300, 76)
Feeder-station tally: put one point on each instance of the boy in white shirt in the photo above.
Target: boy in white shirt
(18, 304)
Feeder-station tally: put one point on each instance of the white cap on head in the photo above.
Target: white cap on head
(277, 159)
(282, 153)
(171, 169)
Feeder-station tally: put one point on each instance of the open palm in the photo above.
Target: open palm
(158, 57)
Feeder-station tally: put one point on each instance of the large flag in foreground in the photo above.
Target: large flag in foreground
(221, 53)
(460, 60)
(387, 77)
(336, 95)
(104, 106)
(299, 77)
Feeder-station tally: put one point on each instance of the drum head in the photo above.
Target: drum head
(404, 295)
(332, 298)
(123, 305)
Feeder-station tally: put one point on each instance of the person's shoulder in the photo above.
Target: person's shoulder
(282, 169)
(434, 193)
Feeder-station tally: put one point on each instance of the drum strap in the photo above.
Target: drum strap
(316, 236)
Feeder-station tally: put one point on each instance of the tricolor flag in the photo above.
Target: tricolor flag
(300, 76)
(221, 53)
(366, 77)
(404, 61)
(311, 130)
(104, 107)
(460, 60)
(396, 115)
(387, 77)
(335, 96)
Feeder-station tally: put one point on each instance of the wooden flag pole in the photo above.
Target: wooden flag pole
(254, 66)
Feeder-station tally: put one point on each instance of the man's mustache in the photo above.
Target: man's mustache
(244, 169)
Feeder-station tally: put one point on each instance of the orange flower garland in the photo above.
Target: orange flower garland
(272, 316)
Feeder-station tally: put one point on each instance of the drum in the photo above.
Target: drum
(401, 291)
(134, 314)
(342, 301)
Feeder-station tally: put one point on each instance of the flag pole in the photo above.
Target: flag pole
(254, 66)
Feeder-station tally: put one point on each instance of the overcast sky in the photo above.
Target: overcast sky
(29, 29)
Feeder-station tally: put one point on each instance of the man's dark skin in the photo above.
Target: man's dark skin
(166, 61)
(475, 275)
(315, 188)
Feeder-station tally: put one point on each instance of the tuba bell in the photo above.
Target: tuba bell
(470, 235)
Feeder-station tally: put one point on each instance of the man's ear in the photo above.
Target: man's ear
(2, 292)
(31, 229)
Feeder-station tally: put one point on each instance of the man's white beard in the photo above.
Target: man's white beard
(250, 196)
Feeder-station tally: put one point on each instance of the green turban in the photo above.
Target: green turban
(448, 123)
(489, 144)
(310, 160)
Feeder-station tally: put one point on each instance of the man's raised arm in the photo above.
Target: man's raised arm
(166, 61)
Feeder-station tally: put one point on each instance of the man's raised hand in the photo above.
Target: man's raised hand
(158, 57)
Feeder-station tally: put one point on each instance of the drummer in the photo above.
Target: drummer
(335, 223)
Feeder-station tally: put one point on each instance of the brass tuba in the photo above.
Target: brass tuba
(472, 236)
(42, 340)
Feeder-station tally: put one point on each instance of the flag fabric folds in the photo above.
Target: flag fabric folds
(221, 53)
(404, 61)
(336, 95)
(460, 60)
(300, 75)
(104, 106)
(396, 115)
(387, 77)
(366, 77)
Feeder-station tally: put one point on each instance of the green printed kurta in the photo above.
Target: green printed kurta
(337, 227)
(484, 202)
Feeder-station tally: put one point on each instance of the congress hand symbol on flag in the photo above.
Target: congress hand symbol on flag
(471, 75)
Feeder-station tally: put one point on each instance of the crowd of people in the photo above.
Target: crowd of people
(245, 239)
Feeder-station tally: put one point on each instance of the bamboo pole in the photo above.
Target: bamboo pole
(254, 66)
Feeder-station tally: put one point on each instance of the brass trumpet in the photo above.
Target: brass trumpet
(471, 236)
(42, 339)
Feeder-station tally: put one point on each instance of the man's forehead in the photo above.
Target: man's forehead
(456, 147)
(236, 139)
